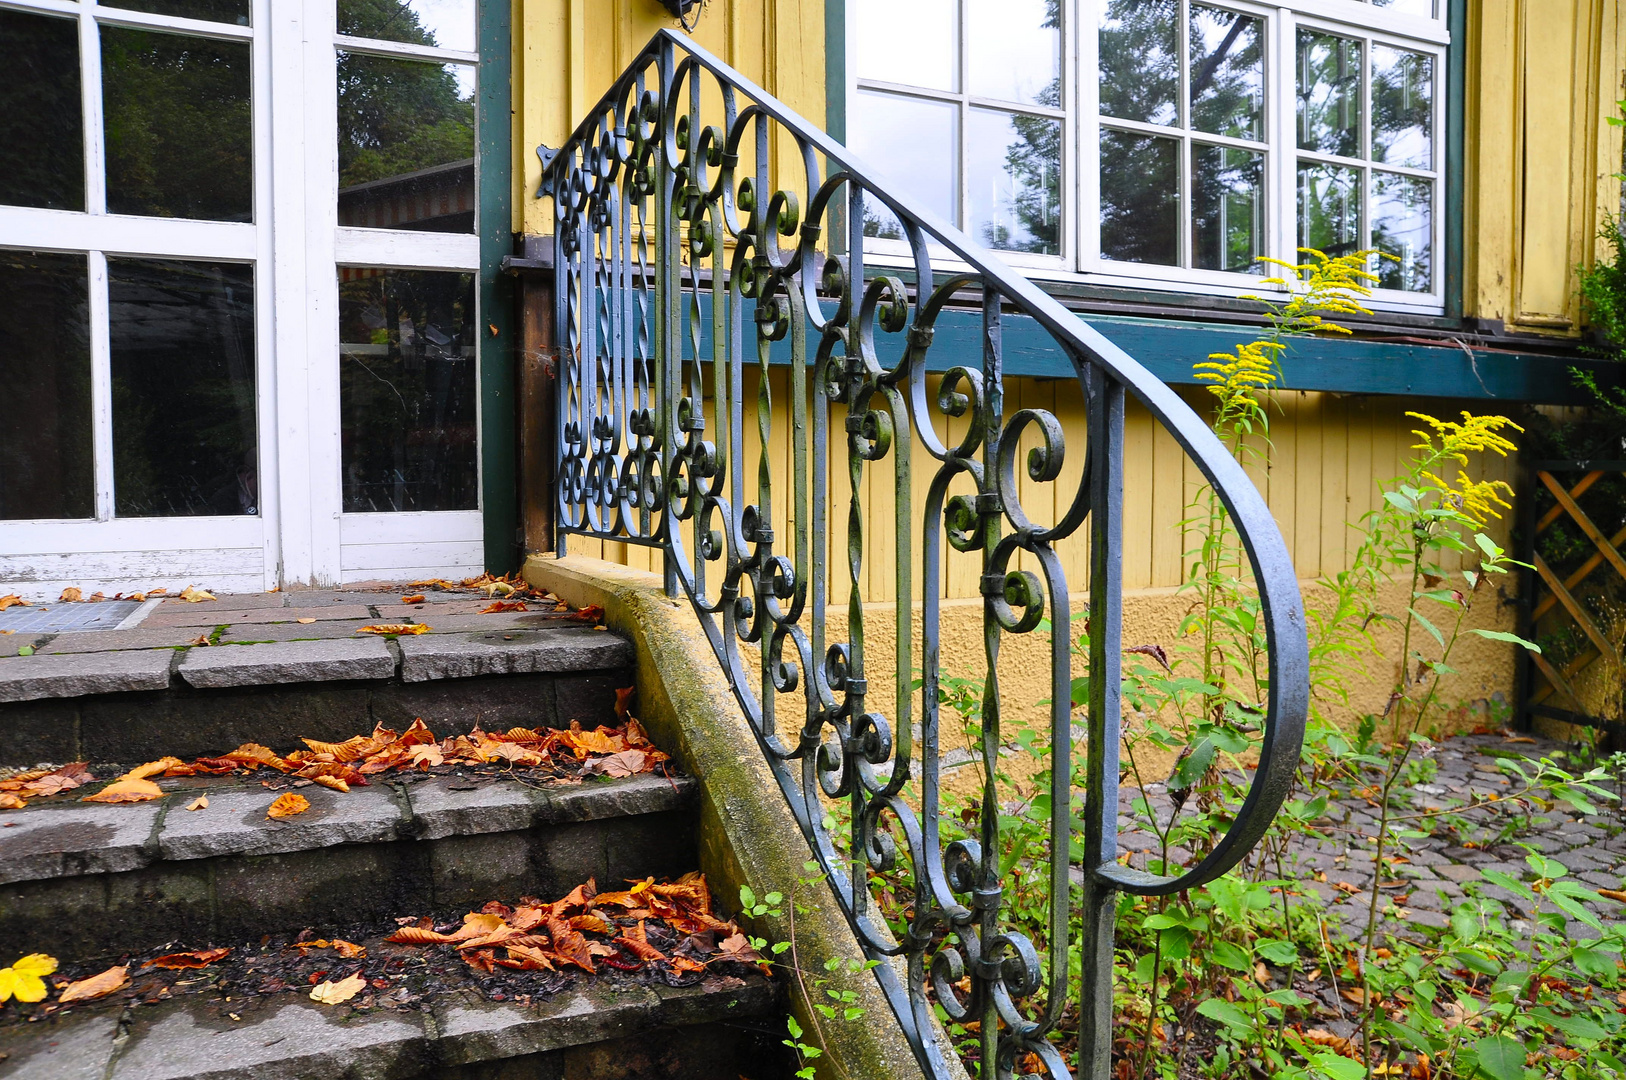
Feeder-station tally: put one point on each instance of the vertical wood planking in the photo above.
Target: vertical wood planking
(1335, 437)
(1140, 491)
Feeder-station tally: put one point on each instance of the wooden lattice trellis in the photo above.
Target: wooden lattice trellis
(1549, 689)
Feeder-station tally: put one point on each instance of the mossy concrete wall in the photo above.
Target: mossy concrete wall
(747, 833)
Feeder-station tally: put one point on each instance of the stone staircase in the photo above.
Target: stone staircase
(96, 884)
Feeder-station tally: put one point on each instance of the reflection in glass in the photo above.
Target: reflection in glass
(1227, 208)
(1140, 60)
(1015, 51)
(446, 24)
(407, 390)
(1329, 93)
(42, 129)
(1140, 198)
(1227, 73)
(1402, 107)
(47, 465)
(912, 142)
(1015, 181)
(226, 11)
(1403, 226)
(909, 41)
(182, 349)
(1329, 208)
(180, 140)
(406, 144)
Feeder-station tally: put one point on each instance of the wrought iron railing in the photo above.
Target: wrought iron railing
(702, 231)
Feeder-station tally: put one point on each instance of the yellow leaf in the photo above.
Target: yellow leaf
(194, 595)
(288, 805)
(304, 620)
(114, 978)
(12, 600)
(335, 993)
(25, 980)
(70, 595)
(152, 768)
(199, 803)
(393, 628)
(349, 949)
(332, 782)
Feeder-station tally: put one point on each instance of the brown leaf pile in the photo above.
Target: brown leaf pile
(588, 929)
(39, 783)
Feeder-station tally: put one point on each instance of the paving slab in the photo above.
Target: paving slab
(29, 678)
(93, 641)
(235, 822)
(256, 615)
(288, 662)
(319, 630)
(71, 838)
(10, 643)
(78, 1048)
(235, 601)
(461, 656)
(502, 620)
(453, 806)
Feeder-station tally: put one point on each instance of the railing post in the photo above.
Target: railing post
(1098, 906)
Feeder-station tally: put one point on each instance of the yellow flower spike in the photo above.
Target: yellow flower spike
(1450, 440)
(25, 980)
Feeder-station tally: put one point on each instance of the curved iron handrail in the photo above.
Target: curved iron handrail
(661, 250)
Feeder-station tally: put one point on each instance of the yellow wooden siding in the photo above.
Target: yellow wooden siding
(1542, 77)
(568, 52)
(1329, 454)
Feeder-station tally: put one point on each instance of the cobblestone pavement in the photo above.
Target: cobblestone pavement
(1429, 878)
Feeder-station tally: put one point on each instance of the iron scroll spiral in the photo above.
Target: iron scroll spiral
(703, 231)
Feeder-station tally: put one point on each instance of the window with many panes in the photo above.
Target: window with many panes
(1167, 142)
(238, 270)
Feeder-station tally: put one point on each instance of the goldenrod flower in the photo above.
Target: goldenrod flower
(1449, 440)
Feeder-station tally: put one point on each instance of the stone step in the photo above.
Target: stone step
(140, 703)
(81, 880)
(600, 1028)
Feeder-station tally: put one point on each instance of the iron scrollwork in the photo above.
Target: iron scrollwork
(704, 231)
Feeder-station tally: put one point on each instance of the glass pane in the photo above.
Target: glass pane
(47, 467)
(406, 144)
(1425, 8)
(182, 336)
(42, 126)
(1015, 51)
(1227, 73)
(912, 142)
(1227, 208)
(1015, 181)
(448, 24)
(226, 11)
(1329, 90)
(909, 41)
(1140, 198)
(180, 139)
(407, 390)
(1402, 107)
(1140, 60)
(1329, 208)
(1403, 226)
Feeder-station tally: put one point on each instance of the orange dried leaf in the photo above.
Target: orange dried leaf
(577, 899)
(336, 993)
(70, 595)
(180, 960)
(418, 599)
(12, 801)
(643, 950)
(254, 755)
(594, 923)
(393, 628)
(626, 763)
(332, 782)
(529, 958)
(287, 805)
(97, 986)
(349, 949)
(416, 735)
(499, 606)
(12, 600)
(64, 779)
(478, 924)
(126, 790)
(412, 935)
(623, 701)
(194, 595)
(350, 750)
(199, 803)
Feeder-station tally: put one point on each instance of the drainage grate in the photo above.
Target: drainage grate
(61, 618)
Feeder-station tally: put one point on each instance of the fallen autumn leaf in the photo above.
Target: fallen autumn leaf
(287, 805)
(114, 978)
(336, 993)
(393, 628)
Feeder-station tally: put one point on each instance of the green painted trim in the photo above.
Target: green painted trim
(499, 495)
(835, 69)
(1456, 68)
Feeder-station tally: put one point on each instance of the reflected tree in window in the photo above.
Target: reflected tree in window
(1140, 60)
(1033, 171)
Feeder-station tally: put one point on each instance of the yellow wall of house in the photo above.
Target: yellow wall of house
(568, 52)
(1542, 77)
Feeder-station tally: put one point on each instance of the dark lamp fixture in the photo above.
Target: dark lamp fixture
(680, 10)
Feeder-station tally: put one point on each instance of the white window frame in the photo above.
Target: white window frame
(1081, 262)
(296, 247)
